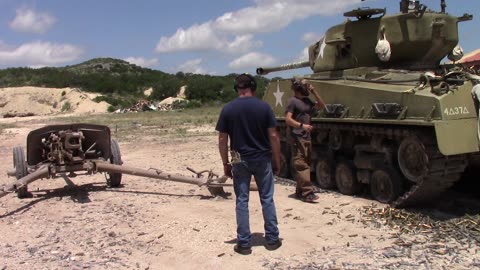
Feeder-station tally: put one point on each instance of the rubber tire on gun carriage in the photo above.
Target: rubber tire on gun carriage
(114, 179)
(20, 165)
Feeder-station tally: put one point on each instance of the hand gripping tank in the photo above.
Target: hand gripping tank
(395, 120)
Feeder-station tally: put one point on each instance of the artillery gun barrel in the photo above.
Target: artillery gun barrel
(104, 166)
(266, 70)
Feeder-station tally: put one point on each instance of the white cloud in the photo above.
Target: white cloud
(203, 38)
(253, 59)
(31, 21)
(233, 31)
(142, 62)
(192, 66)
(303, 55)
(196, 38)
(39, 53)
(311, 37)
(242, 44)
(273, 15)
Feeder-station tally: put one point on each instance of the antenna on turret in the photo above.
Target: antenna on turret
(443, 5)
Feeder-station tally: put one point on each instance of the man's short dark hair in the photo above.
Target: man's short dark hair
(245, 80)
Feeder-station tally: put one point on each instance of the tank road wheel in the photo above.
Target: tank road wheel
(114, 179)
(20, 165)
(346, 178)
(385, 185)
(412, 159)
(324, 170)
(335, 139)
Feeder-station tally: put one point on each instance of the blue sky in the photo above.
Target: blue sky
(204, 36)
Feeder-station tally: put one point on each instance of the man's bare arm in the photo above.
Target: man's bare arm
(290, 121)
(275, 143)
(223, 149)
(223, 146)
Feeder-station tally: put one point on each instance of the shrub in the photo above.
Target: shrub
(193, 104)
(66, 107)
(179, 104)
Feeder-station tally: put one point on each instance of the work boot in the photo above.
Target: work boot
(242, 250)
(273, 246)
(310, 198)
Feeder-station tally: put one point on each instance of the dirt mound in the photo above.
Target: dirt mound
(44, 101)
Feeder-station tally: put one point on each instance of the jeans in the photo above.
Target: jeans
(242, 173)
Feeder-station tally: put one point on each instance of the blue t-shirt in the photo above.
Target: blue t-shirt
(246, 121)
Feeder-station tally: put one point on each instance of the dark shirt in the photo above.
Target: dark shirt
(246, 121)
(302, 110)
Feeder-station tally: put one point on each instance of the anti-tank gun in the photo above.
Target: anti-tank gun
(396, 121)
(71, 150)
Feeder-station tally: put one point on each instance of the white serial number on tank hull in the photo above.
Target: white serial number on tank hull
(456, 111)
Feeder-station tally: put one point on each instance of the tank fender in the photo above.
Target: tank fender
(457, 136)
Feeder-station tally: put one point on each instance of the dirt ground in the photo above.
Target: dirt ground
(79, 223)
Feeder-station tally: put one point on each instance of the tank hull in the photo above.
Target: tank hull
(408, 144)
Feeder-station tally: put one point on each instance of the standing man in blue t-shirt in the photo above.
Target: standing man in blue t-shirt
(251, 126)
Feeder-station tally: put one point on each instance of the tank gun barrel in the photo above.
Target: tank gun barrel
(266, 70)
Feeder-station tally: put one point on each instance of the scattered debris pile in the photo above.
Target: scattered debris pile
(168, 104)
(461, 228)
(140, 106)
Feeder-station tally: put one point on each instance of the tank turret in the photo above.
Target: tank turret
(414, 39)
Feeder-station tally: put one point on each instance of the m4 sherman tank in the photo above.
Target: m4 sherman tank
(395, 119)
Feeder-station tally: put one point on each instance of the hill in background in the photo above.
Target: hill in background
(122, 84)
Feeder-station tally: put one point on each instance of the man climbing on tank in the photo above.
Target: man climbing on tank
(299, 111)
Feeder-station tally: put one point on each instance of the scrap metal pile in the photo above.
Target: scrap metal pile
(167, 104)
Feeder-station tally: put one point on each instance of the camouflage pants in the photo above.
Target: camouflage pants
(301, 158)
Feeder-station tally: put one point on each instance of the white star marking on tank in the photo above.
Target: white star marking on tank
(322, 47)
(278, 96)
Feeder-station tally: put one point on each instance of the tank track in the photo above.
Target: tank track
(443, 171)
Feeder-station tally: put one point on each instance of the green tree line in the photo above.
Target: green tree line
(123, 83)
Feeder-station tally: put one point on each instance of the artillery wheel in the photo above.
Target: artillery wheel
(114, 179)
(324, 170)
(20, 165)
(385, 185)
(412, 159)
(346, 178)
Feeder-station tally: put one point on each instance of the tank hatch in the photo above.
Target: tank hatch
(365, 13)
